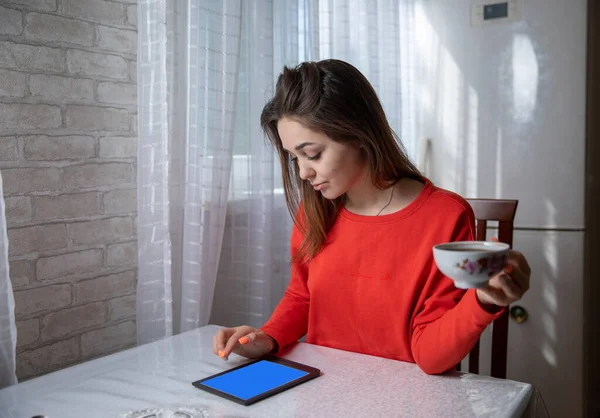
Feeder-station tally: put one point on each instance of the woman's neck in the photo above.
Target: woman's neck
(365, 199)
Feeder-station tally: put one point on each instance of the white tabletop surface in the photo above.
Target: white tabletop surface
(159, 375)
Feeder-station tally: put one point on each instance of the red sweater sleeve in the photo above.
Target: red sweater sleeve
(289, 321)
(444, 331)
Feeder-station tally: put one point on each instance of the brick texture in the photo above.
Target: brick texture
(27, 332)
(31, 58)
(21, 273)
(101, 231)
(118, 147)
(18, 209)
(36, 238)
(9, 149)
(93, 175)
(42, 299)
(14, 116)
(47, 358)
(133, 71)
(66, 206)
(80, 262)
(10, 22)
(27, 180)
(12, 83)
(93, 64)
(59, 324)
(120, 201)
(57, 148)
(43, 5)
(47, 28)
(123, 307)
(117, 93)
(108, 339)
(106, 287)
(96, 10)
(119, 40)
(132, 17)
(122, 254)
(68, 150)
(54, 87)
(94, 118)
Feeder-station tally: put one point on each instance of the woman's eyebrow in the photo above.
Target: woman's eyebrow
(302, 145)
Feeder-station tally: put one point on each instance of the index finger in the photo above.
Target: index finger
(233, 340)
(222, 337)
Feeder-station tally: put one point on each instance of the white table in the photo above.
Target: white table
(352, 385)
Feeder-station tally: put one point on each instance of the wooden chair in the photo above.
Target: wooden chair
(503, 211)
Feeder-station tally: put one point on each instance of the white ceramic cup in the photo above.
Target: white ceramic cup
(470, 263)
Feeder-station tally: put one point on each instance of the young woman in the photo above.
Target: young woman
(365, 221)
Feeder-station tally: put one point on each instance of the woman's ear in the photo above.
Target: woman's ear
(363, 150)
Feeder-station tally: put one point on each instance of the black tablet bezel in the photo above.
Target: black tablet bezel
(312, 373)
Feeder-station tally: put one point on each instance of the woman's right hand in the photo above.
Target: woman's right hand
(245, 341)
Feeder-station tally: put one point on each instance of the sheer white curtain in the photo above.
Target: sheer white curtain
(213, 229)
(376, 36)
(8, 330)
(187, 78)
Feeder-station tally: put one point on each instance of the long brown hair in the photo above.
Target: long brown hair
(333, 97)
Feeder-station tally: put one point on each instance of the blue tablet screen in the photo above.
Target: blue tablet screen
(252, 380)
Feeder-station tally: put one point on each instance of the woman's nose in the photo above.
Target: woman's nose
(306, 173)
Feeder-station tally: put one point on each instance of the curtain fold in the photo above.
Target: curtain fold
(213, 229)
(8, 330)
(187, 72)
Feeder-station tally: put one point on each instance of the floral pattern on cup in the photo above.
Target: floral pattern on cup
(492, 264)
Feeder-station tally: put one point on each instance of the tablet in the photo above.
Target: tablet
(257, 380)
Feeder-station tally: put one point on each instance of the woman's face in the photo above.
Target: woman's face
(330, 167)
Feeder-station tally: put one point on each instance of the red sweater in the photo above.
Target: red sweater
(375, 288)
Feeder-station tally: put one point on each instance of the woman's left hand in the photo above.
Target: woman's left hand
(509, 285)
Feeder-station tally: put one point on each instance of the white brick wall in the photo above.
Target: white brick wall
(87, 64)
(122, 254)
(15, 116)
(67, 321)
(66, 206)
(48, 357)
(12, 83)
(27, 180)
(10, 22)
(99, 341)
(47, 148)
(93, 118)
(8, 148)
(118, 147)
(95, 10)
(20, 272)
(24, 57)
(94, 175)
(68, 151)
(56, 87)
(18, 209)
(122, 307)
(43, 5)
(45, 28)
(69, 264)
(117, 39)
(29, 331)
(37, 238)
(120, 201)
(109, 92)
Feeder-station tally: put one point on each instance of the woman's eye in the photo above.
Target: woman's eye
(315, 157)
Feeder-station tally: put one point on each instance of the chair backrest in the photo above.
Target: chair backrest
(503, 211)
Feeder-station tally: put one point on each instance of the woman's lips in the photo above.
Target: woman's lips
(319, 186)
